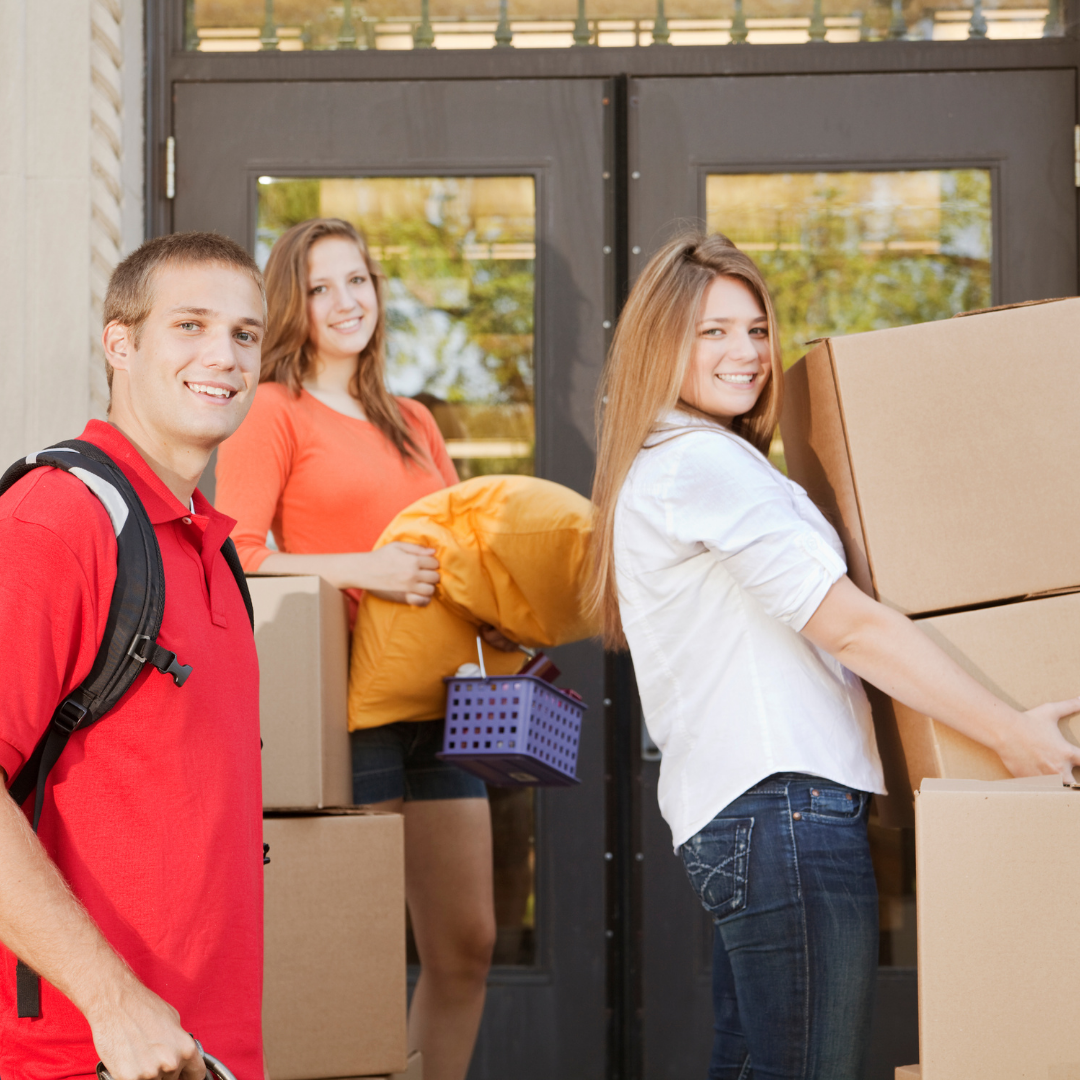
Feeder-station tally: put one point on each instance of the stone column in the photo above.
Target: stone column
(71, 122)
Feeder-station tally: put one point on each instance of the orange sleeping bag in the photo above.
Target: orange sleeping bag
(513, 554)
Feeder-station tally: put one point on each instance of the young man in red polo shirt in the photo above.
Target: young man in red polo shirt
(140, 901)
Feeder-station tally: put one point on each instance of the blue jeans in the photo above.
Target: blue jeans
(785, 871)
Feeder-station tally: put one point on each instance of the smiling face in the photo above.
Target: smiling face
(342, 304)
(731, 360)
(188, 380)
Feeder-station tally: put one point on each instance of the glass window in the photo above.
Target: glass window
(854, 251)
(459, 255)
(295, 25)
(847, 252)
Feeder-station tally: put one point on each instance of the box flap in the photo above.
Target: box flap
(1022, 783)
(1009, 307)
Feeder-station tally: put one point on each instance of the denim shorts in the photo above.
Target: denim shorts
(397, 761)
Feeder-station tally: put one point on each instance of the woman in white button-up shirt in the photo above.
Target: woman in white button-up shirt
(730, 589)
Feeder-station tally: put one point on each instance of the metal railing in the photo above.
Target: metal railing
(352, 24)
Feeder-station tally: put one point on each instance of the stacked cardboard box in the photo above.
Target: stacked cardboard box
(334, 999)
(302, 634)
(999, 929)
(945, 455)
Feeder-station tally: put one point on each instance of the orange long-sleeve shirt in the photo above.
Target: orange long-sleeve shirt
(322, 482)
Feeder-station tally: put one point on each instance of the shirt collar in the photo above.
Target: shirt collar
(161, 504)
(677, 422)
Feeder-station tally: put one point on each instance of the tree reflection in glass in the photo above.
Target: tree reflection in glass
(459, 255)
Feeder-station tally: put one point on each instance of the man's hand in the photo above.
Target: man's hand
(139, 1037)
(136, 1034)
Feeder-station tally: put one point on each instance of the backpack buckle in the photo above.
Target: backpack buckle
(162, 659)
(133, 647)
(69, 716)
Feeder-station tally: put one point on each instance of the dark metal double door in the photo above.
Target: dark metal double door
(619, 984)
(546, 1018)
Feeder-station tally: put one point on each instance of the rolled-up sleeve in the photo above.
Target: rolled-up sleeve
(725, 500)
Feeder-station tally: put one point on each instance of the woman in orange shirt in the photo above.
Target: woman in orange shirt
(325, 460)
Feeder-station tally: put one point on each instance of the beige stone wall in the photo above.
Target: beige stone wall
(70, 201)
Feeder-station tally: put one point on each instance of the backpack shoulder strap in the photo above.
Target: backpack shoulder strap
(135, 612)
(130, 639)
(232, 557)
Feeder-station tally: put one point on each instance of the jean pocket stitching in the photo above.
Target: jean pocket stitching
(851, 813)
(703, 872)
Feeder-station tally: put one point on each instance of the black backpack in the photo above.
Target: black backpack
(130, 641)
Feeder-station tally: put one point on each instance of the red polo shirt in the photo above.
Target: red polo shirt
(154, 814)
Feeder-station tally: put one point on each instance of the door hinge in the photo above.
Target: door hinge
(1076, 155)
(170, 165)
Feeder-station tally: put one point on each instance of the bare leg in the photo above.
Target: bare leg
(448, 885)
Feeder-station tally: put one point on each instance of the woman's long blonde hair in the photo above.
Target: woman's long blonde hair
(287, 355)
(645, 369)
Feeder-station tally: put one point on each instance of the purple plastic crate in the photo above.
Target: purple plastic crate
(513, 731)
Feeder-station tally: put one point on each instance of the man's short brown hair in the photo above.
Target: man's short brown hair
(130, 295)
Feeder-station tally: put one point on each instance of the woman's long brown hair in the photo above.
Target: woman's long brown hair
(288, 356)
(645, 369)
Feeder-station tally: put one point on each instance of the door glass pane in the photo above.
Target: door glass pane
(854, 251)
(298, 25)
(459, 257)
(846, 252)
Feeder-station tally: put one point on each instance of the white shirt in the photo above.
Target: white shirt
(720, 561)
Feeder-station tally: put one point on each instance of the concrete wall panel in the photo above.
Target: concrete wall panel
(46, 62)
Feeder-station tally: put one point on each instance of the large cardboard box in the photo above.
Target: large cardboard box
(945, 454)
(334, 995)
(1026, 653)
(302, 634)
(998, 886)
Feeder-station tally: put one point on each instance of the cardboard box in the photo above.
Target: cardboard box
(302, 634)
(334, 996)
(908, 1072)
(945, 454)
(999, 929)
(1026, 653)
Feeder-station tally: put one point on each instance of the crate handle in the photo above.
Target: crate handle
(480, 653)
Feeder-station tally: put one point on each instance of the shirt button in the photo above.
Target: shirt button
(797, 816)
(187, 521)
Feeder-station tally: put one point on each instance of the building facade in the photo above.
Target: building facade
(514, 163)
